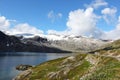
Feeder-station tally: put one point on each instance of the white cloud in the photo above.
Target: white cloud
(109, 11)
(82, 22)
(52, 32)
(97, 3)
(4, 23)
(60, 15)
(109, 14)
(113, 34)
(118, 25)
(17, 29)
(65, 32)
(25, 28)
(54, 16)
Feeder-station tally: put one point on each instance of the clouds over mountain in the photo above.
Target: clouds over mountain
(4, 23)
(84, 21)
(79, 22)
(17, 29)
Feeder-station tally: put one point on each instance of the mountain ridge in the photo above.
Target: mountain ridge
(10, 43)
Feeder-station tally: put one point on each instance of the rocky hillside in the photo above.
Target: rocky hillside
(102, 64)
(48, 43)
(111, 49)
(17, 44)
(66, 43)
(78, 43)
(79, 67)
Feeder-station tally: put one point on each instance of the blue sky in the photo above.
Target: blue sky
(35, 12)
(54, 15)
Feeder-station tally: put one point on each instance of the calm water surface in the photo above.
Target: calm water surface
(8, 61)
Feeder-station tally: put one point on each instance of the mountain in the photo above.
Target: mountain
(101, 64)
(48, 43)
(10, 43)
(111, 49)
(69, 42)
(77, 43)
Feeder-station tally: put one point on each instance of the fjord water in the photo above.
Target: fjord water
(9, 60)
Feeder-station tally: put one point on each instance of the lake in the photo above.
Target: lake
(9, 60)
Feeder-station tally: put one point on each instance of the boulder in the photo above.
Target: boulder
(22, 67)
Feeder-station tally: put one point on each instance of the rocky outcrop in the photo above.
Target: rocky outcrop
(78, 44)
(23, 75)
(22, 67)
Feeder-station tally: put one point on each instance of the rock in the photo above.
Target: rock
(23, 67)
(23, 75)
(69, 59)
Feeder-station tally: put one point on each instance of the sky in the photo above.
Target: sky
(93, 18)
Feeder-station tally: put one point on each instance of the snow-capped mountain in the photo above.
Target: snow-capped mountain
(52, 42)
(71, 42)
(75, 43)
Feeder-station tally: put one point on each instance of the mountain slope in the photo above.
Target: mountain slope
(14, 44)
(68, 43)
(111, 49)
(78, 44)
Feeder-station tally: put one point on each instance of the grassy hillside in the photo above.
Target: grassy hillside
(102, 64)
(112, 49)
(79, 67)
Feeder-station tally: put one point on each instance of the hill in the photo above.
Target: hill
(101, 64)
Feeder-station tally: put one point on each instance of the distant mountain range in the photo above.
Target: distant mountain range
(12, 43)
(48, 43)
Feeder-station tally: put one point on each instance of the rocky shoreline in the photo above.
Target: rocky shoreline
(23, 75)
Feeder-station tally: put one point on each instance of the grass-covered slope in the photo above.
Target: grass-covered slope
(111, 49)
(102, 64)
(78, 67)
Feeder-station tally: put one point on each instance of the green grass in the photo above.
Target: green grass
(79, 70)
(107, 68)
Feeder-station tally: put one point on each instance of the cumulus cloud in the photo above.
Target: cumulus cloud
(25, 28)
(113, 34)
(82, 22)
(109, 14)
(97, 3)
(118, 25)
(17, 29)
(54, 16)
(4, 23)
(54, 32)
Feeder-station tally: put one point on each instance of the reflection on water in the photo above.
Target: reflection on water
(8, 61)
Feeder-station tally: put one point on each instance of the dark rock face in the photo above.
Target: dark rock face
(23, 67)
(9, 43)
(15, 44)
(39, 39)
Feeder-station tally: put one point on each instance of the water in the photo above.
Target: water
(8, 61)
